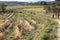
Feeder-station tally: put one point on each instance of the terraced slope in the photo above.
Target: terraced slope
(24, 25)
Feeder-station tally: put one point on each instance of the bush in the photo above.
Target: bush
(2, 7)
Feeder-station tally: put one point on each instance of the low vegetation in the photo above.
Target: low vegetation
(27, 23)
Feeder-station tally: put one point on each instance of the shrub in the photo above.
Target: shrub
(2, 7)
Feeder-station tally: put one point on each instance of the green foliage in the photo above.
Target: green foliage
(43, 3)
(10, 36)
(2, 7)
(57, 0)
(46, 33)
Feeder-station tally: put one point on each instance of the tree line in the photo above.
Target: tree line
(54, 8)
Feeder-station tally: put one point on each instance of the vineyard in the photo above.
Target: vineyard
(26, 24)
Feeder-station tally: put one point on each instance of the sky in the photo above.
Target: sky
(27, 0)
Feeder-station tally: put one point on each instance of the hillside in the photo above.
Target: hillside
(14, 3)
(26, 25)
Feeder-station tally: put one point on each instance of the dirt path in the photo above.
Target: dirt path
(58, 30)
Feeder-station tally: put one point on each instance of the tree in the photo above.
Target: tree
(43, 3)
(53, 7)
(57, 0)
(2, 7)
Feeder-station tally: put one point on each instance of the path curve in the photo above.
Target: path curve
(58, 30)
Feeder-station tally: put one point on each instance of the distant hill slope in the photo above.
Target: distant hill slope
(14, 3)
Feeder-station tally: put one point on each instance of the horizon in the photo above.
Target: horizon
(28, 0)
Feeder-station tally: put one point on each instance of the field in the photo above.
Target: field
(26, 23)
(15, 7)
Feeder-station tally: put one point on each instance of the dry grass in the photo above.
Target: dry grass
(33, 21)
(1, 36)
(17, 33)
(25, 24)
(15, 7)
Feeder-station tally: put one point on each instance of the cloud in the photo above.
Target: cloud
(16, 0)
(49, 0)
(27, 0)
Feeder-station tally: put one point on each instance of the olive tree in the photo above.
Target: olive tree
(54, 8)
(2, 7)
